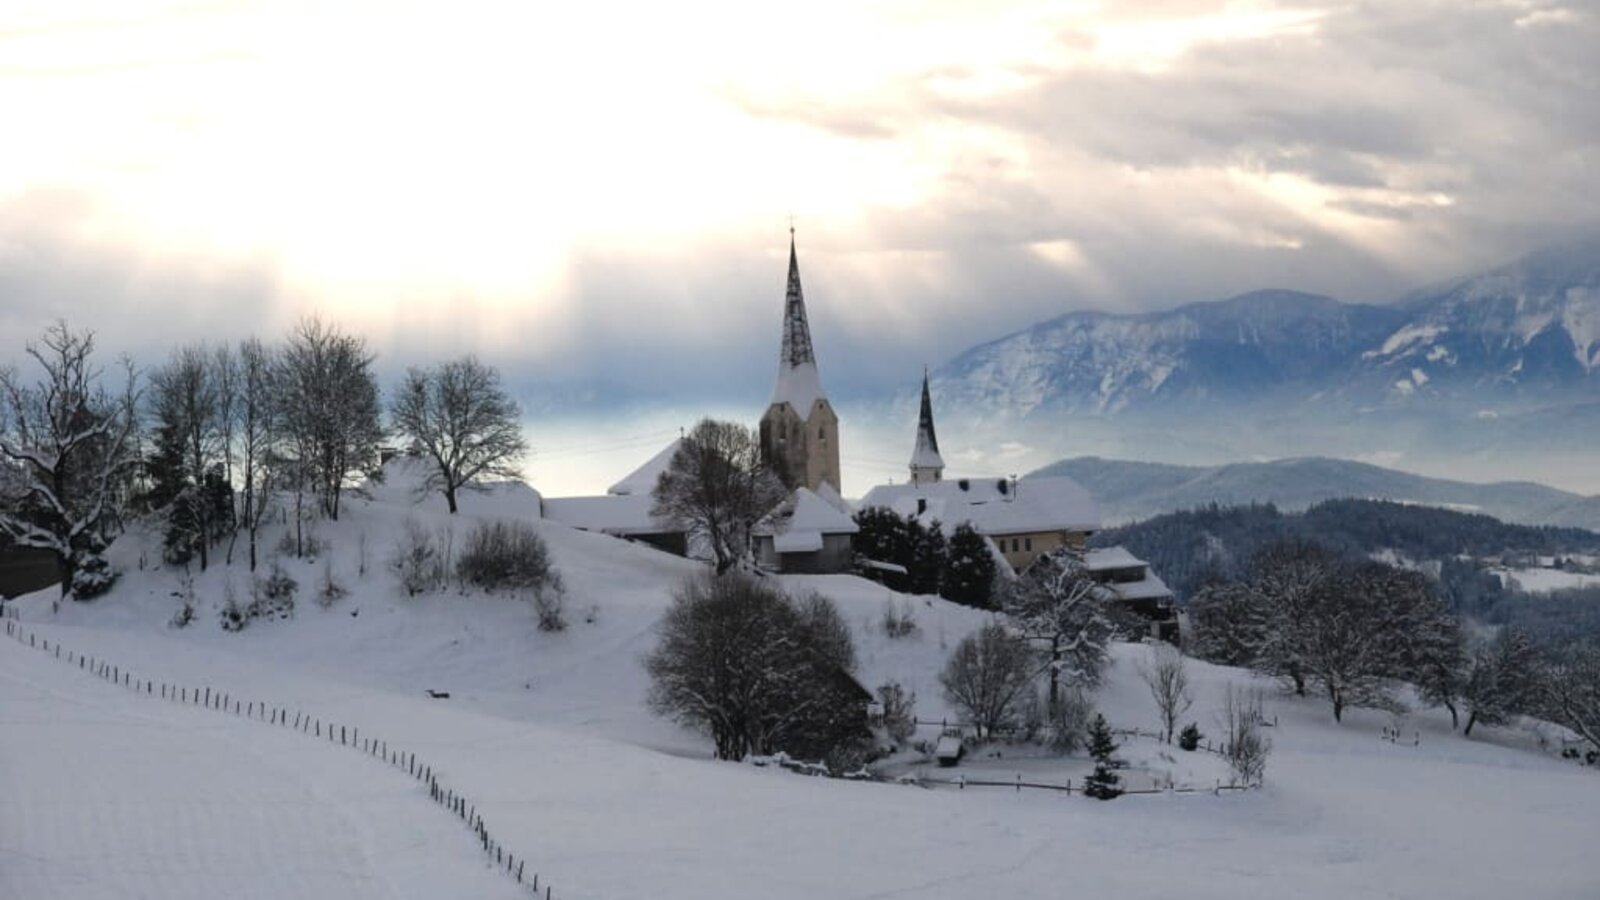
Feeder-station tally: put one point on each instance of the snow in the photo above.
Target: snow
(800, 386)
(103, 793)
(1035, 504)
(623, 514)
(1407, 337)
(643, 479)
(1543, 581)
(1100, 559)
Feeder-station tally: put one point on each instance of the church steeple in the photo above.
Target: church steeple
(796, 349)
(927, 465)
(800, 432)
(799, 383)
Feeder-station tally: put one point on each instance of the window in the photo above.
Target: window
(822, 434)
(1027, 544)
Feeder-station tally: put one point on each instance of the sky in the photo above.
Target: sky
(599, 195)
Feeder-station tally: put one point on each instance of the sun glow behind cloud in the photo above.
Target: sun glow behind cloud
(570, 183)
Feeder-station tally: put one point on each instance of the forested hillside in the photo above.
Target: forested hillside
(1195, 546)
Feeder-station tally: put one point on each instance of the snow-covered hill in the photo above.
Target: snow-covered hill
(1128, 491)
(549, 736)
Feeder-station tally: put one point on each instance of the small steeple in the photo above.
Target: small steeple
(799, 384)
(927, 466)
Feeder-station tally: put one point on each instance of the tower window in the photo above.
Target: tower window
(822, 434)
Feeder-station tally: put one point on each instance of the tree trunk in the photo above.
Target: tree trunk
(450, 499)
(1472, 720)
(1455, 718)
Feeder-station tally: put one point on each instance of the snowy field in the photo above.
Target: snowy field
(1544, 581)
(105, 793)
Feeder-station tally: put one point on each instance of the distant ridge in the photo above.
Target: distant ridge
(1129, 491)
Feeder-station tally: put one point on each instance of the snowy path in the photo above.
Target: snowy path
(107, 794)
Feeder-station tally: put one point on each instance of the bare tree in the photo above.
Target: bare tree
(1571, 690)
(743, 662)
(1501, 681)
(1168, 680)
(1057, 602)
(190, 426)
(458, 414)
(988, 676)
(329, 409)
(716, 488)
(257, 429)
(70, 444)
(1246, 747)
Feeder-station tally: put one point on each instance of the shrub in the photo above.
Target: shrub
(418, 560)
(1069, 721)
(505, 556)
(899, 711)
(899, 620)
(549, 605)
(330, 590)
(185, 594)
(1189, 738)
(1247, 747)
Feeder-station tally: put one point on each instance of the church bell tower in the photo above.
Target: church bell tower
(800, 432)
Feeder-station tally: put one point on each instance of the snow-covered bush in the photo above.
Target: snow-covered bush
(899, 711)
(899, 619)
(549, 605)
(330, 590)
(1069, 721)
(418, 560)
(232, 617)
(1247, 747)
(185, 594)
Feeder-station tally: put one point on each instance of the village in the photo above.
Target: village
(813, 530)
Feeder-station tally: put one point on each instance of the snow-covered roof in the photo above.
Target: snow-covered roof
(992, 505)
(799, 386)
(831, 496)
(798, 524)
(1148, 588)
(643, 479)
(622, 514)
(1101, 559)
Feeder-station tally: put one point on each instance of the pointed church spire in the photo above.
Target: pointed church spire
(799, 384)
(926, 463)
(796, 331)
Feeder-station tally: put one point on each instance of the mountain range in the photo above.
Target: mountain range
(1491, 376)
(1524, 334)
(1130, 491)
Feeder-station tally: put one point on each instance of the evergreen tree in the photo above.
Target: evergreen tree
(882, 538)
(928, 556)
(969, 569)
(1104, 783)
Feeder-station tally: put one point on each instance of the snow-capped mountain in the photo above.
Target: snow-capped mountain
(1529, 331)
(1533, 325)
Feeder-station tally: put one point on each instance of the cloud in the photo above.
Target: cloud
(607, 207)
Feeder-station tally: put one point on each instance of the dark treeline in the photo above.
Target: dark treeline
(1192, 548)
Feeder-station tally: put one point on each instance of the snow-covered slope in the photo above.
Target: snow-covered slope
(549, 736)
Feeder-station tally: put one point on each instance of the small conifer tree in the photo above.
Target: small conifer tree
(1104, 783)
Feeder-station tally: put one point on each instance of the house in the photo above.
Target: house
(624, 509)
(1139, 590)
(1023, 519)
(810, 532)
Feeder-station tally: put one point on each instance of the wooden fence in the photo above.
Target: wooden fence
(456, 803)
